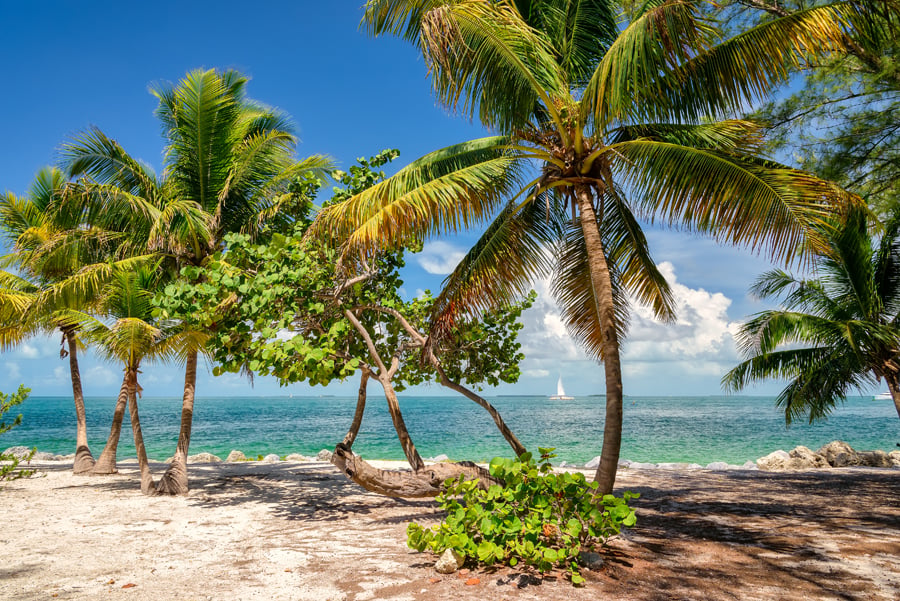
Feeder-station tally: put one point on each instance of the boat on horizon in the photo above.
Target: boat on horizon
(560, 392)
(884, 396)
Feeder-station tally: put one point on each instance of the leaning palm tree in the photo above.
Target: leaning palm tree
(838, 331)
(227, 158)
(59, 265)
(613, 122)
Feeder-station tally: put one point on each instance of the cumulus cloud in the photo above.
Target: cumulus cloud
(703, 336)
(699, 344)
(439, 258)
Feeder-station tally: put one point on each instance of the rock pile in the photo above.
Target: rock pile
(834, 454)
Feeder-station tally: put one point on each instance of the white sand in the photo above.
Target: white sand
(298, 531)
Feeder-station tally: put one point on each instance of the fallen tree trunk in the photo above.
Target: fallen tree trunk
(425, 482)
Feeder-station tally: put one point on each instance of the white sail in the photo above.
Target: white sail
(560, 392)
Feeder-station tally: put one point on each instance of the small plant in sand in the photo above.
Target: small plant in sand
(539, 518)
(8, 470)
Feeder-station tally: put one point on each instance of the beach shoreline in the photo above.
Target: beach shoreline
(298, 531)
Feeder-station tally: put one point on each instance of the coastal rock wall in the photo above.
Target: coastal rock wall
(834, 454)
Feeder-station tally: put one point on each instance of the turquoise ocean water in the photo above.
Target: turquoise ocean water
(656, 429)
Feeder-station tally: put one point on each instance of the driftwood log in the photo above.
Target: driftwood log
(425, 482)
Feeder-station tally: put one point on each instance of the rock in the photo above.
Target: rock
(718, 466)
(590, 560)
(234, 456)
(774, 461)
(296, 457)
(839, 454)
(271, 458)
(593, 463)
(895, 458)
(437, 459)
(203, 458)
(696, 466)
(563, 464)
(875, 459)
(449, 562)
(624, 463)
(803, 458)
(637, 465)
(750, 465)
(323, 455)
(19, 453)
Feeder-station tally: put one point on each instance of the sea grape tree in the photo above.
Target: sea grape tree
(298, 309)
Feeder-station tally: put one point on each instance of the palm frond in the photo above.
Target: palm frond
(627, 84)
(501, 266)
(781, 212)
(447, 190)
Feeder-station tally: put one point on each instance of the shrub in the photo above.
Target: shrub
(8, 470)
(539, 518)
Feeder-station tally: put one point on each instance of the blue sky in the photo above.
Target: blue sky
(70, 65)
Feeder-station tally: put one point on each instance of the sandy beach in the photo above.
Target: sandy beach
(302, 531)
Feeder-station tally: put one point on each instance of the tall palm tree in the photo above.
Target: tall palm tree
(226, 160)
(846, 317)
(614, 123)
(59, 266)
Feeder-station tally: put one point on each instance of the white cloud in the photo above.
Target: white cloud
(12, 370)
(702, 338)
(28, 351)
(60, 373)
(700, 345)
(99, 375)
(439, 257)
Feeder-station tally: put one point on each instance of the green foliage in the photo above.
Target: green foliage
(8, 470)
(834, 332)
(280, 309)
(539, 518)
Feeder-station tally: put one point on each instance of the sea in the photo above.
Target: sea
(689, 429)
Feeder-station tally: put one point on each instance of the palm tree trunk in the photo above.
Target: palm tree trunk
(602, 286)
(175, 480)
(84, 461)
(106, 463)
(894, 387)
(146, 477)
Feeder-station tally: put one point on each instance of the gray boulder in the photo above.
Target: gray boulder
(718, 466)
(19, 453)
(774, 461)
(839, 454)
(593, 463)
(271, 458)
(875, 459)
(234, 456)
(590, 560)
(323, 455)
(203, 458)
(803, 458)
(449, 562)
(895, 458)
(437, 459)
(297, 457)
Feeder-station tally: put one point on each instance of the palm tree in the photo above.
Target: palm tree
(612, 123)
(132, 340)
(60, 267)
(226, 160)
(846, 317)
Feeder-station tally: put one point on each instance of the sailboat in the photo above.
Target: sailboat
(560, 392)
